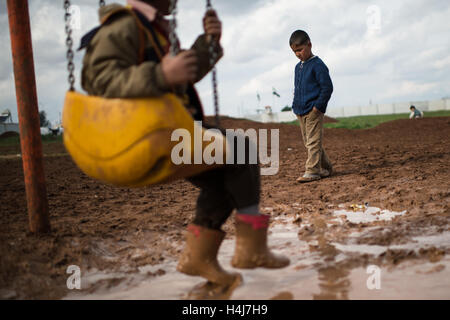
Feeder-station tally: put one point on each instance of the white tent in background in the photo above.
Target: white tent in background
(5, 116)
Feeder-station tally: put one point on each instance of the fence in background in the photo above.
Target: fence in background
(374, 109)
(389, 108)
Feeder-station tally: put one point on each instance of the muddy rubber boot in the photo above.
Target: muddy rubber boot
(199, 257)
(251, 244)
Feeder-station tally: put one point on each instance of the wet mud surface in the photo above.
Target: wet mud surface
(126, 241)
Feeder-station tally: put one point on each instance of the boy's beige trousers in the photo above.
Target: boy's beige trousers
(311, 126)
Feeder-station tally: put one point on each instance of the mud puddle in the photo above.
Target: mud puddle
(312, 274)
(365, 214)
(417, 243)
(257, 284)
(409, 280)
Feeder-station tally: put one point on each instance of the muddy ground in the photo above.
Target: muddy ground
(399, 166)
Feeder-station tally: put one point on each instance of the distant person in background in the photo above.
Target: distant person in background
(313, 88)
(415, 113)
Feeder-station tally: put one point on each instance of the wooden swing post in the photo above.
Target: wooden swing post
(27, 106)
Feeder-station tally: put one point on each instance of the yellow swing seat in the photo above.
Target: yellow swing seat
(125, 142)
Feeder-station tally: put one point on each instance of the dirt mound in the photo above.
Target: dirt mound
(408, 124)
(228, 122)
(238, 123)
(327, 119)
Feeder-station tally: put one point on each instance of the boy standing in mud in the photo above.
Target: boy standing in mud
(119, 63)
(313, 88)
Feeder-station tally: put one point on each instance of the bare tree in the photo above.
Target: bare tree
(43, 119)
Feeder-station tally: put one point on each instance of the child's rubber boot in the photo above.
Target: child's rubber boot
(199, 257)
(251, 244)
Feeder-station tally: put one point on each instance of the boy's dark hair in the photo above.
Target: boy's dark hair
(299, 37)
(412, 107)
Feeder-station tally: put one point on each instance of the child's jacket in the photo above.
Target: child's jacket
(113, 68)
(416, 114)
(313, 86)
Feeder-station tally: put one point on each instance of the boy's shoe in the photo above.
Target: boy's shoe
(330, 170)
(324, 173)
(251, 244)
(308, 177)
(200, 256)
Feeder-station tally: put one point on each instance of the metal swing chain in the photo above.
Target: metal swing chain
(213, 57)
(69, 43)
(173, 26)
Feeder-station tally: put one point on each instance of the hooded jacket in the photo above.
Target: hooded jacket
(313, 86)
(112, 66)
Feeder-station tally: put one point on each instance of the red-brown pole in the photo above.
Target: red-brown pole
(30, 136)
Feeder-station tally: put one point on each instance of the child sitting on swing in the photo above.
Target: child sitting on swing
(117, 65)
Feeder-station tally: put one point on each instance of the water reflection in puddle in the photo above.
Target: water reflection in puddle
(409, 280)
(309, 276)
(257, 284)
(441, 240)
(369, 214)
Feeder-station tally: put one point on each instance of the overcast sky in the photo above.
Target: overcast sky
(379, 51)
